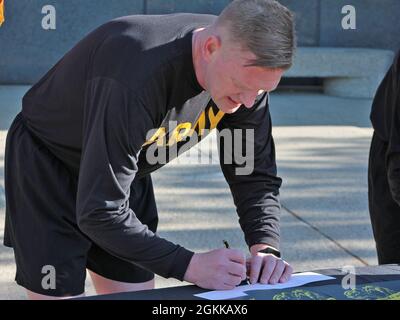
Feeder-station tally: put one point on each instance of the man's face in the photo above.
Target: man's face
(230, 83)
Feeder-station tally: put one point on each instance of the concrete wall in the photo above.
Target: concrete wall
(319, 23)
(27, 51)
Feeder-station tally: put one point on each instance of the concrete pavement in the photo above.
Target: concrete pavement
(322, 150)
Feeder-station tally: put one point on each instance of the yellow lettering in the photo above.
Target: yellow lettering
(177, 135)
(214, 119)
(159, 136)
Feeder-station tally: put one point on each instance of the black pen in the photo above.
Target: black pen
(226, 244)
(244, 282)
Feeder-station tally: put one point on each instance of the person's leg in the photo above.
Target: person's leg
(111, 274)
(107, 286)
(384, 211)
(49, 249)
(36, 296)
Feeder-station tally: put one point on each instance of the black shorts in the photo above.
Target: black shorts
(41, 222)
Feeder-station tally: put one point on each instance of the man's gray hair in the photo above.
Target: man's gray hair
(265, 28)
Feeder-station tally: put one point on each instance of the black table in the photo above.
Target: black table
(372, 282)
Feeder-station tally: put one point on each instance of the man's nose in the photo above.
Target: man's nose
(248, 98)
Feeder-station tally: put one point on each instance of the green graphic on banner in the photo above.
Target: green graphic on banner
(384, 290)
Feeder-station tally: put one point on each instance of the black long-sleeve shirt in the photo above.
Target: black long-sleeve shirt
(385, 118)
(94, 110)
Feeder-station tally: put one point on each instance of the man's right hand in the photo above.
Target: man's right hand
(220, 269)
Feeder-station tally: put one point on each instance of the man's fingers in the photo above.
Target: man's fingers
(278, 271)
(286, 274)
(237, 269)
(237, 256)
(248, 266)
(231, 280)
(269, 263)
(255, 268)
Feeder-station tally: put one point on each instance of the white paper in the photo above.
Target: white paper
(297, 279)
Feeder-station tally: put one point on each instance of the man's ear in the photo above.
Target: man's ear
(211, 46)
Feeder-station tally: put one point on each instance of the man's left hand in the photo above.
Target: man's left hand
(267, 268)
